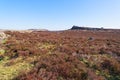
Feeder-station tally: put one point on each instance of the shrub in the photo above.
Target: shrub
(56, 66)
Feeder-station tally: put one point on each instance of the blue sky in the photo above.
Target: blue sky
(59, 14)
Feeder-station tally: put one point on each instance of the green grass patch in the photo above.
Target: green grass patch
(2, 51)
(9, 72)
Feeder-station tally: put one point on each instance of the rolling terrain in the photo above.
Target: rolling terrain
(60, 55)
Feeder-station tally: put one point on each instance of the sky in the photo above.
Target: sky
(59, 14)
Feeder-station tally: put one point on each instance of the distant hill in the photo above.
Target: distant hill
(85, 28)
(37, 29)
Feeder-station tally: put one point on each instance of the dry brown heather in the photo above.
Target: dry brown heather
(66, 55)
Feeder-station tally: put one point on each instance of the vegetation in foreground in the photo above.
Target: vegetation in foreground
(63, 55)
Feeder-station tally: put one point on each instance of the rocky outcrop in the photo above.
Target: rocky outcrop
(3, 36)
(84, 28)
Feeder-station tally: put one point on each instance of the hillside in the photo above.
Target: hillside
(60, 55)
(92, 29)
